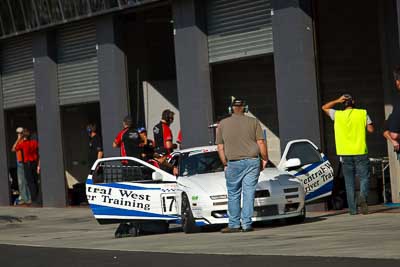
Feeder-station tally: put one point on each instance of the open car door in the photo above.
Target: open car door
(314, 169)
(129, 189)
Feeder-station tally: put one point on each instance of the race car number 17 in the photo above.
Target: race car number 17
(168, 204)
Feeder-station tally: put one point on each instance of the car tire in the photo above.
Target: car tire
(298, 219)
(188, 223)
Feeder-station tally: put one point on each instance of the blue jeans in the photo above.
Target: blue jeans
(24, 194)
(241, 175)
(353, 165)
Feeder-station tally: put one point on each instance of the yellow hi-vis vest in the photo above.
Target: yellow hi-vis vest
(350, 132)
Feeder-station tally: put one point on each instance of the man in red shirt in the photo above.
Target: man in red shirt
(128, 140)
(162, 132)
(29, 148)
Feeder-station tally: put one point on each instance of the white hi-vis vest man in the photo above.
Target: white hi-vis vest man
(351, 125)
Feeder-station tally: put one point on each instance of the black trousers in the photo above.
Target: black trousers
(31, 177)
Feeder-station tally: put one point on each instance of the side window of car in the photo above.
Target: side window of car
(121, 171)
(305, 152)
(188, 166)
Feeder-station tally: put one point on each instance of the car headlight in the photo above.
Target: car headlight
(218, 197)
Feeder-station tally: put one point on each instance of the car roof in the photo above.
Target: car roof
(197, 148)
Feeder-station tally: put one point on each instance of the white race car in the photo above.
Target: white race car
(126, 189)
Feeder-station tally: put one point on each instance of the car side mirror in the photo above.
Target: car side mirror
(156, 176)
(292, 163)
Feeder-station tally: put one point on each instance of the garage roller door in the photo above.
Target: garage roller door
(238, 28)
(17, 72)
(254, 80)
(77, 63)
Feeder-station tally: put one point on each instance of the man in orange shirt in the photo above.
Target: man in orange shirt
(24, 194)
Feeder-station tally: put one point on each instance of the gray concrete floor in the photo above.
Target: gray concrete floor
(376, 235)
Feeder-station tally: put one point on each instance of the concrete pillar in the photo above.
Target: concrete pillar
(48, 120)
(4, 184)
(112, 80)
(193, 71)
(295, 71)
(389, 30)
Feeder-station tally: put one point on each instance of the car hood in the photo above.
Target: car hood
(211, 183)
(214, 183)
(276, 175)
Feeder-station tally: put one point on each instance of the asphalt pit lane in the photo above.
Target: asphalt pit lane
(12, 226)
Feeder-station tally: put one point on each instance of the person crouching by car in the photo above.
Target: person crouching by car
(146, 145)
(160, 161)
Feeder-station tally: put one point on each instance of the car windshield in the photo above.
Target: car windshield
(199, 163)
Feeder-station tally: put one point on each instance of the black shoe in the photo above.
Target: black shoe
(250, 229)
(228, 230)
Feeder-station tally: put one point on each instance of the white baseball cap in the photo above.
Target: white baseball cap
(20, 130)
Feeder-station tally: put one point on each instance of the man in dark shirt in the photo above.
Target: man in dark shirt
(146, 145)
(128, 140)
(95, 145)
(162, 132)
(392, 126)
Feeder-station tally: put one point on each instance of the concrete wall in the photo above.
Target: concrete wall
(158, 96)
(253, 80)
(388, 28)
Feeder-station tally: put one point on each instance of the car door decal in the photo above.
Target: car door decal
(115, 192)
(324, 190)
(123, 186)
(139, 201)
(315, 171)
(310, 167)
(105, 212)
(317, 179)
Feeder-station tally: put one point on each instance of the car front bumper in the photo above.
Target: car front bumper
(265, 208)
